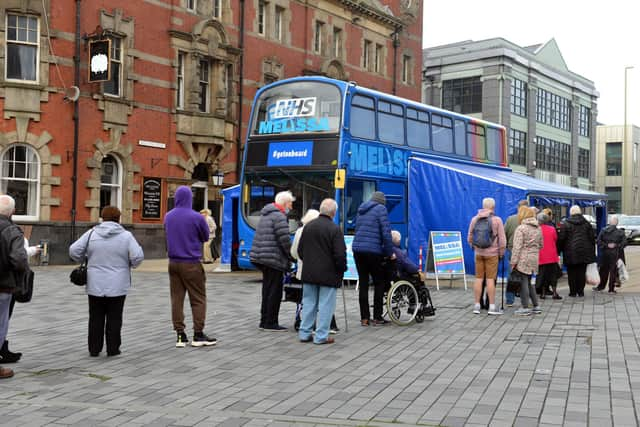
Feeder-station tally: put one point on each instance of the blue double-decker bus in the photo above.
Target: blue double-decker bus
(319, 137)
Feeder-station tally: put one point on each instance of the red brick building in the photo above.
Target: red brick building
(170, 113)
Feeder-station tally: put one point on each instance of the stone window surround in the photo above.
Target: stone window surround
(270, 20)
(39, 143)
(5, 19)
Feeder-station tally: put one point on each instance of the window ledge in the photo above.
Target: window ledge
(22, 84)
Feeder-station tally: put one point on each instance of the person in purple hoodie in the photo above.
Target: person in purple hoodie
(186, 231)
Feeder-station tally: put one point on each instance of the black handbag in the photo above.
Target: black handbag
(78, 275)
(514, 282)
(25, 291)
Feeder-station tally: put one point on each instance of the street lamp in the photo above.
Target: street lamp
(625, 142)
(217, 178)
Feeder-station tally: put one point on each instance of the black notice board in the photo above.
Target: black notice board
(151, 198)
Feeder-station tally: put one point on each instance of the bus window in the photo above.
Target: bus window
(390, 122)
(309, 189)
(298, 107)
(461, 138)
(418, 129)
(356, 193)
(363, 115)
(442, 133)
(477, 143)
(495, 147)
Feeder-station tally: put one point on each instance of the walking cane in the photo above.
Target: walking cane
(344, 305)
(502, 303)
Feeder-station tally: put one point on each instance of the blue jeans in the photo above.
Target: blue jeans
(509, 296)
(317, 301)
(5, 302)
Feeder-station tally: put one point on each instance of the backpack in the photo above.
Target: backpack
(482, 235)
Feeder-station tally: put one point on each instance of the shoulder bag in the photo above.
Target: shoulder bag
(79, 274)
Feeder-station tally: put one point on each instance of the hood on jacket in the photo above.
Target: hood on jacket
(183, 197)
(367, 206)
(483, 213)
(108, 229)
(576, 219)
(531, 221)
(270, 208)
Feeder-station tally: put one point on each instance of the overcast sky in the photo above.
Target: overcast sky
(598, 39)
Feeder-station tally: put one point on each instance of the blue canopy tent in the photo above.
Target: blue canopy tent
(445, 194)
(230, 199)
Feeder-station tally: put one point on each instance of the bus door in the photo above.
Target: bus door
(395, 194)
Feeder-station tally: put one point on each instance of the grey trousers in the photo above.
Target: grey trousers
(527, 290)
(5, 302)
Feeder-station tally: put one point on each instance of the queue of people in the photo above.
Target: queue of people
(529, 241)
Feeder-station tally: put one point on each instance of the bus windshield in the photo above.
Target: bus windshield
(308, 187)
(298, 107)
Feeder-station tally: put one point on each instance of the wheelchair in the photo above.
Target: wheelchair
(408, 299)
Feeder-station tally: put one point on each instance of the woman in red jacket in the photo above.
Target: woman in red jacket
(548, 259)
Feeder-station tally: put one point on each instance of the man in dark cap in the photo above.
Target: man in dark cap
(372, 246)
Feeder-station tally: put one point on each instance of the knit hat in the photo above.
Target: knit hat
(378, 196)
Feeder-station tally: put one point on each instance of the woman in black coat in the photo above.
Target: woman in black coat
(576, 241)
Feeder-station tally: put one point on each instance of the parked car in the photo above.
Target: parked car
(631, 226)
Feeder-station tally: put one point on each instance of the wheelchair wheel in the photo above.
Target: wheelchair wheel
(402, 302)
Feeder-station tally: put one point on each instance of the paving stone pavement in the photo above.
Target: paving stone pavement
(576, 364)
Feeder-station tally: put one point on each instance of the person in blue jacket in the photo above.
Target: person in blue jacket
(404, 266)
(372, 247)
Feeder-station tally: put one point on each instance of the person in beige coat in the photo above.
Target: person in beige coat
(527, 242)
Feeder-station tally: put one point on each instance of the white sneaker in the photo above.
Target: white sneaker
(495, 312)
(536, 310)
(476, 309)
(522, 312)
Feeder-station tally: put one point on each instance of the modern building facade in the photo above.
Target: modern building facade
(617, 173)
(175, 105)
(549, 112)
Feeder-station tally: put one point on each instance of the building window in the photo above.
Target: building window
(262, 17)
(277, 29)
(217, 9)
(110, 183)
(20, 179)
(112, 87)
(553, 156)
(583, 163)
(203, 77)
(584, 121)
(366, 55)
(317, 39)
(517, 147)
(377, 59)
(192, 5)
(462, 95)
(614, 158)
(180, 81)
(406, 69)
(22, 48)
(614, 203)
(337, 42)
(519, 97)
(553, 110)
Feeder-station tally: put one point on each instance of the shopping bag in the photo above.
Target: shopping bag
(592, 276)
(514, 282)
(623, 274)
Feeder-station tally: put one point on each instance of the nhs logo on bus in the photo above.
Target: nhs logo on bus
(293, 115)
(290, 153)
(290, 108)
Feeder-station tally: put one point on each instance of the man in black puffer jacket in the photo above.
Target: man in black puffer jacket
(576, 241)
(322, 243)
(271, 253)
(14, 264)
